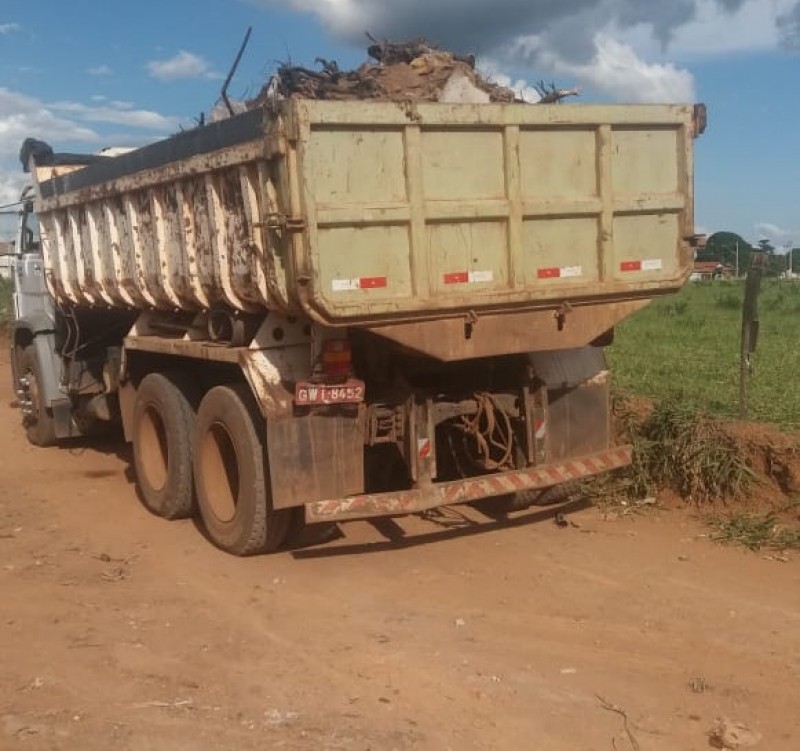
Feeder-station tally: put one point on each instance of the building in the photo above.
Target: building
(708, 270)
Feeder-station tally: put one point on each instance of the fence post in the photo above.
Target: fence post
(750, 324)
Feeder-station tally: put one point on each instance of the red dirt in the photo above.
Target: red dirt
(773, 455)
(119, 630)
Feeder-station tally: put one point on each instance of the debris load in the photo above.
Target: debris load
(408, 71)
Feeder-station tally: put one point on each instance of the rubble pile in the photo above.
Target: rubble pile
(408, 71)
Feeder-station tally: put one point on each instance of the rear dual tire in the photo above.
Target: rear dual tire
(163, 423)
(230, 475)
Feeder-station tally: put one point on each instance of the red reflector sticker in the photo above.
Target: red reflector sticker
(457, 277)
(423, 448)
(548, 273)
(373, 282)
(631, 266)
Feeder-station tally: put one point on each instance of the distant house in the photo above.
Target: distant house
(707, 270)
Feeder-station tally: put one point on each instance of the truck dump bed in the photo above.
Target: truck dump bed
(383, 214)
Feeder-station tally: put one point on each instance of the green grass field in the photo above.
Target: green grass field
(688, 345)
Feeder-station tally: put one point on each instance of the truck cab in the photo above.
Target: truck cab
(33, 359)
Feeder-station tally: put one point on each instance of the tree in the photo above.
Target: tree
(795, 264)
(723, 247)
(777, 264)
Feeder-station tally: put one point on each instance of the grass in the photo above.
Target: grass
(763, 531)
(675, 448)
(6, 287)
(690, 453)
(686, 347)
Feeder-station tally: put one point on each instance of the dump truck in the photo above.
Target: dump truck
(343, 310)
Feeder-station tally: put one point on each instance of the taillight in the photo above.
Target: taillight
(337, 358)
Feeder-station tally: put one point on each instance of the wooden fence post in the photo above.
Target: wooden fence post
(750, 324)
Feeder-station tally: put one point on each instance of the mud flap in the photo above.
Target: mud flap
(316, 456)
(578, 414)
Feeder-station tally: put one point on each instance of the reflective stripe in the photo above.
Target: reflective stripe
(469, 277)
(365, 282)
(469, 489)
(560, 272)
(642, 264)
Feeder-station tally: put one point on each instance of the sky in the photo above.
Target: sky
(83, 75)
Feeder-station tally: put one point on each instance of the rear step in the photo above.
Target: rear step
(420, 499)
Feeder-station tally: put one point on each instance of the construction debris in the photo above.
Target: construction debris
(551, 95)
(408, 71)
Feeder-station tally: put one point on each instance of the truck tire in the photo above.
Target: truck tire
(40, 427)
(163, 423)
(231, 477)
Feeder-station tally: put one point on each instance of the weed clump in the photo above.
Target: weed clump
(679, 448)
(755, 531)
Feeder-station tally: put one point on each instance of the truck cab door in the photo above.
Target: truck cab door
(31, 298)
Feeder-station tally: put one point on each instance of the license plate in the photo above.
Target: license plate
(349, 392)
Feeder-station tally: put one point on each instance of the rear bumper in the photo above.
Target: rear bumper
(413, 501)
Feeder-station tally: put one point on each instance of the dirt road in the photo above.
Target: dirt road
(119, 630)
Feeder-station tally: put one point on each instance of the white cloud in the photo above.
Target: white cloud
(616, 70)
(7, 28)
(67, 126)
(183, 65)
(629, 49)
(778, 236)
(118, 113)
(100, 70)
(789, 28)
(713, 32)
(22, 116)
(11, 186)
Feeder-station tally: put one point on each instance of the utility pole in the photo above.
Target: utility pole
(737, 259)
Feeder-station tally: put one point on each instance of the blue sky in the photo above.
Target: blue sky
(84, 75)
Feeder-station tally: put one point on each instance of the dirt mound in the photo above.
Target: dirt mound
(408, 71)
(772, 455)
(673, 441)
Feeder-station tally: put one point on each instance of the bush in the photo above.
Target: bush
(689, 452)
(675, 447)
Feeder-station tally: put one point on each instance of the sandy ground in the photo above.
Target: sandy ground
(119, 630)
